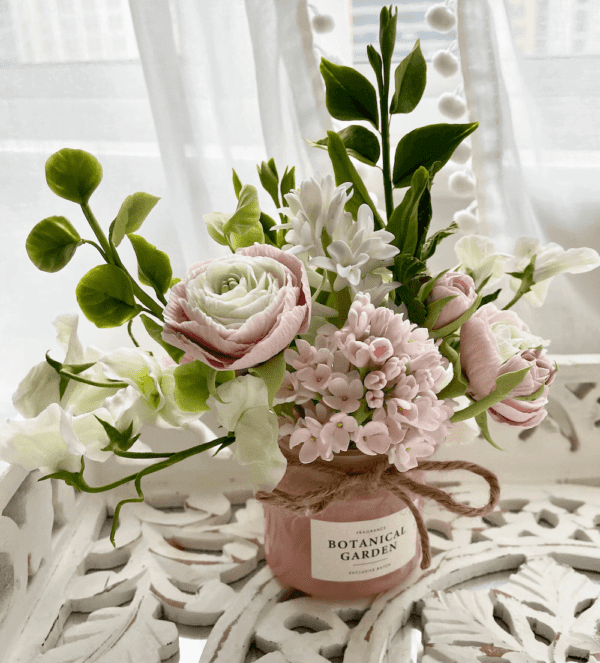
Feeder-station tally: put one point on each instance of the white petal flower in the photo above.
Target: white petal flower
(47, 442)
(238, 395)
(256, 448)
(479, 260)
(91, 434)
(551, 260)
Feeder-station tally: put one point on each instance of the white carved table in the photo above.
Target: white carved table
(187, 581)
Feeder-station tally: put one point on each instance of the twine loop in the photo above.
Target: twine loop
(382, 475)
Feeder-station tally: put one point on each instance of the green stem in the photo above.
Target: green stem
(143, 296)
(87, 241)
(106, 385)
(385, 144)
(175, 458)
(99, 233)
(130, 332)
(516, 298)
(135, 454)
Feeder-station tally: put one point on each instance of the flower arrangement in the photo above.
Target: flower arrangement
(323, 331)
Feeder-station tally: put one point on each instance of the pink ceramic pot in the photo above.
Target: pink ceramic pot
(361, 546)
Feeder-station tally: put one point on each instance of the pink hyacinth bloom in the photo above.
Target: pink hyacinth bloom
(373, 438)
(336, 432)
(345, 392)
(375, 380)
(380, 349)
(302, 358)
(315, 379)
(374, 398)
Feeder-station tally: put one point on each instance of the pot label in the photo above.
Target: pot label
(362, 550)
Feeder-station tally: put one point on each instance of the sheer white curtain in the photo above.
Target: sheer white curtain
(216, 85)
(231, 83)
(532, 74)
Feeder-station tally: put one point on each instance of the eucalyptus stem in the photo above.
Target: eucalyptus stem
(91, 219)
(143, 296)
(105, 385)
(88, 241)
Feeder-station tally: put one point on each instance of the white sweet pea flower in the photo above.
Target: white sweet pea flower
(245, 412)
(550, 261)
(50, 441)
(463, 432)
(170, 416)
(41, 385)
(256, 447)
(479, 260)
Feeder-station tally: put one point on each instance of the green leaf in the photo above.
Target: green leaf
(154, 266)
(105, 296)
(215, 222)
(387, 35)
(458, 385)
(482, 422)
(377, 66)
(456, 324)
(267, 173)
(432, 242)
(360, 143)
(73, 174)
(504, 385)
(536, 394)
(237, 184)
(191, 386)
(52, 243)
(491, 297)
(133, 213)
(272, 373)
(427, 287)
(404, 222)
(155, 332)
(424, 214)
(425, 146)
(345, 172)
(407, 267)
(410, 78)
(118, 440)
(288, 182)
(349, 95)
(267, 223)
(417, 311)
(174, 281)
(435, 308)
(244, 228)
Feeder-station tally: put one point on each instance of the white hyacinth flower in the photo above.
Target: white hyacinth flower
(313, 207)
(356, 250)
(550, 261)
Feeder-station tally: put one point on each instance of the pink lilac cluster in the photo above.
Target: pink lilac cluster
(373, 382)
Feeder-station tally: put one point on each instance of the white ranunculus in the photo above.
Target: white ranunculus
(238, 395)
(551, 260)
(256, 448)
(47, 442)
(479, 260)
(512, 339)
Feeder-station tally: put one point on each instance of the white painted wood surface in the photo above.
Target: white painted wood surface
(519, 585)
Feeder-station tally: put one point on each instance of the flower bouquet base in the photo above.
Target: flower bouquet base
(360, 545)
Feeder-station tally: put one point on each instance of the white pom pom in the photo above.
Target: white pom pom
(440, 18)
(445, 63)
(451, 106)
(461, 184)
(467, 223)
(462, 153)
(323, 23)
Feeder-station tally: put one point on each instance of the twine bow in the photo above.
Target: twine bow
(385, 476)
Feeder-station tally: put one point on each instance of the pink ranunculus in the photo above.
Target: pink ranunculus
(454, 284)
(236, 312)
(494, 342)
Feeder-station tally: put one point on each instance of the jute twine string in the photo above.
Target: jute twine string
(383, 476)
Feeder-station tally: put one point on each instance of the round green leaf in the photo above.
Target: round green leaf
(154, 266)
(73, 174)
(132, 214)
(105, 296)
(52, 243)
